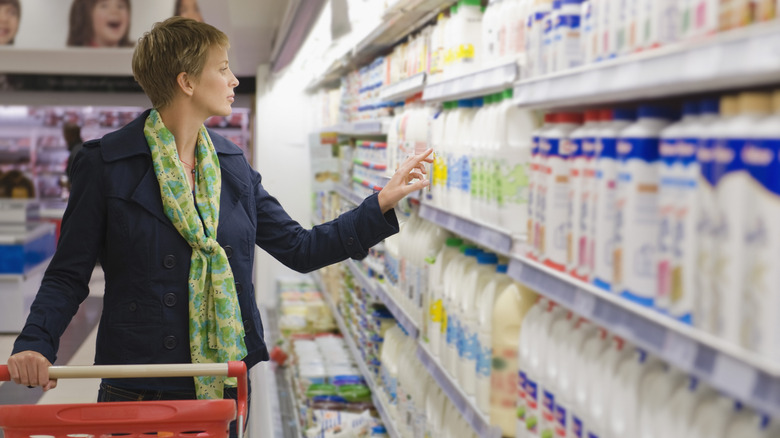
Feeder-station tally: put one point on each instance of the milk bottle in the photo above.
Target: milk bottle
(708, 310)
(606, 369)
(540, 13)
(490, 35)
(509, 310)
(435, 405)
(528, 334)
(454, 317)
(570, 338)
(656, 389)
(679, 412)
(439, 176)
(567, 48)
(577, 247)
(760, 298)
(513, 159)
(712, 417)
(497, 140)
(478, 144)
(605, 196)
(474, 283)
(535, 184)
(497, 283)
(637, 206)
(462, 154)
(556, 147)
(732, 192)
(550, 377)
(436, 287)
(670, 176)
(587, 374)
(626, 396)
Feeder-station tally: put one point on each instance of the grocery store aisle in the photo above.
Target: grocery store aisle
(77, 347)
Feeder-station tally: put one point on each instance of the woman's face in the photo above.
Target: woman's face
(9, 23)
(190, 9)
(110, 21)
(213, 94)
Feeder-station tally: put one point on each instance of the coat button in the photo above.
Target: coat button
(239, 288)
(170, 342)
(228, 251)
(247, 326)
(350, 241)
(169, 261)
(169, 299)
(133, 307)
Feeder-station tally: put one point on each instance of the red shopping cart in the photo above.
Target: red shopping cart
(169, 419)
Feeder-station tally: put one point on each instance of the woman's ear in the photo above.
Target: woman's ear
(185, 83)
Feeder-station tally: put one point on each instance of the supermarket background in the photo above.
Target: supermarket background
(594, 256)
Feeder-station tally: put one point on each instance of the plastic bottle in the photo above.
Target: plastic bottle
(490, 32)
(579, 196)
(568, 32)
(589, 38)
(527, 402)
(540, 13)
(389, 355)
(535, 184)
(437, 47)
(518, 16)
(604, 385)
(439, 176)
(587, 225)
(627, 396)
(707, 309)
(606, 194)
(549, 59)
(698, 18)
(637, 206)
(468, 36)
(670, 190)
(568, 416)
(556, 147)
(498, 282)
(550, 371)
(586, 370)
(732, 192)
(461, 194)
(760, 296)
(560, 374)
(513, 161)
(435, 407)
(656, 389)
(494, 143)
(712, 417)
(474, 283)
(456, 272)
(510, 308)
(480, 137)
(436, 288)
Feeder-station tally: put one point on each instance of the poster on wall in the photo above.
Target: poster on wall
(59, 24)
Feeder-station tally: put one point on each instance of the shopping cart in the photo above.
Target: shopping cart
(169, 419)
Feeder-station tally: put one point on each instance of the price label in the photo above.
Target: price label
(734, 376)
(680, 350)
(584, 303)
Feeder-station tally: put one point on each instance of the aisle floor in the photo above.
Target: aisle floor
(77, 347)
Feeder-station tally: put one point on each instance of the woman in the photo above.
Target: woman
(188, 9)
(10, 12)
(99, 23)
(172, 210)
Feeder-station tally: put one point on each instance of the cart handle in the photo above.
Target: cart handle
(231, 369)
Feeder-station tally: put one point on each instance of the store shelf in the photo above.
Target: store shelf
(462, 402)
(482, 234)
(480, 83)
(369, 128)
(729, 368)
(376, 395)
(95, 61)
(380, 293)
(403, 89)
(347, 193)
(740, 58)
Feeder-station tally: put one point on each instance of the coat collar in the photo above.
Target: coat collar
(129, 141)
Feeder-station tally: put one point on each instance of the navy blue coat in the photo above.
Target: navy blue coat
(115, 214)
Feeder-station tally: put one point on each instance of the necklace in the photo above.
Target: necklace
(188, 165)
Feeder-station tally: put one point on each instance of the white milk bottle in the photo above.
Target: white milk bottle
(436, 287)
(526, 345)
(550, 390)
(684, 292)
(605, 195)
(478, 145)
(518, 34)
(454, 317)
(712, 418)
(438, 177)
(450, 277)
(568, 418)
(587, 225)
(603, 381)
(469, 55)
(760, 295)
(389, 358)
(540, 14)
(548, 63)
(568, 31)
(496, 122)
(435, 406)
(498, 282)
(587, 374)
(535, 184)
(556, 146)
(733, 196)
(452, 145)
(678, 413)
(513, 159)
(509, 310)
(669, 175)
(707, 309)
(637, 222)
(473, 285)
(462, 193)
(577, 246)
(427, 253)
(490, 26)
(538, 389)
(656, 389)
(627, 395)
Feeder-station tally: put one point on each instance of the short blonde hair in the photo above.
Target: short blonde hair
(173, 46)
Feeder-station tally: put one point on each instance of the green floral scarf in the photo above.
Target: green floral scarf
(216, 330)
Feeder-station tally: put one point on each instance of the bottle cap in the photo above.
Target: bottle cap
(754, 103)
(592, 115)
(487, 258)
(655, 112)
(709, 105)
(454, 241)
(570, 118)
(623, 114)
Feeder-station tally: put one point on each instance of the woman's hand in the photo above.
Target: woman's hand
(399, 185)
(32, 369)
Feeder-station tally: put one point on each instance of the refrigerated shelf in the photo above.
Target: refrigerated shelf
(744, 57)
(368, 128)
(482, 234)
(403, 89)
(480, 83)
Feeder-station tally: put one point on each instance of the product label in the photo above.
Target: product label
(532, 401)
(560, 421)
(605, 222)
(464, 179)
(577, 429)
(485, 360)
(436, 311)
(466, 52)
